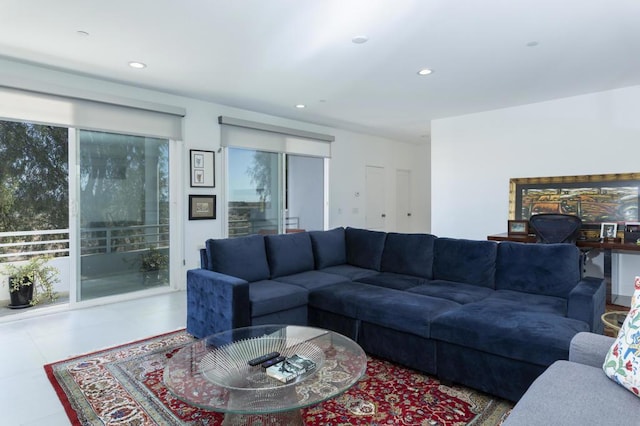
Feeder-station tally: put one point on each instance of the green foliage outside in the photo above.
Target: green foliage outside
(33, 177)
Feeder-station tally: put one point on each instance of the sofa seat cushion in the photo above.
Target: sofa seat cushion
(391, 280)
(550, 269)
(386, 307)
(509, 330)
(364, 247)
(349, 271)
(268, 296)
(408, 254)
(568, 393)
(338, 298)
(313, 279)
(329, 247)
(465, 261)
(531, 302)
(458, 292)
(289, 253)
(243, 257)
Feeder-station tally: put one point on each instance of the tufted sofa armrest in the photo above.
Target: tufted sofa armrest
(216, 302)
(586, 302)
(589, 348)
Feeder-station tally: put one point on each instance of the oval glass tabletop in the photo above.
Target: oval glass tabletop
(214, 373)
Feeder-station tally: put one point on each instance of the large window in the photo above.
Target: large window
(276, 177)
(98, 199)
(270, 193)
(122, 199)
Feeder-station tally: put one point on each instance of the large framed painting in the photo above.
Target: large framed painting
(595, 199)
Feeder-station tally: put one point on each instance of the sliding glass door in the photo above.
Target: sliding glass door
(254, 194)
(123, 193)
(273, 193)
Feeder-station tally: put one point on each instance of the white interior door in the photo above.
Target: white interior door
(375, 206)
(403, 200)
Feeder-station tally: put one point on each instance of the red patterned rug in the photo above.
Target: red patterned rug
(123, 386)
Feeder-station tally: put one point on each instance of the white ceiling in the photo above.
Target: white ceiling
(268, 55)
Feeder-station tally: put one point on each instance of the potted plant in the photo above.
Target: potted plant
(153, 263)
(31, 282)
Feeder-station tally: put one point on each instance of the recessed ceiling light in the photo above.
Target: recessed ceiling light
(137, 65)
(301, 106)
(425, 71)
(360, 39)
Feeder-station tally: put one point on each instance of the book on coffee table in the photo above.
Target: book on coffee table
(292, 367)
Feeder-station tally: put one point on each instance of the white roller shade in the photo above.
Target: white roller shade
(90, 114)
(264, 137)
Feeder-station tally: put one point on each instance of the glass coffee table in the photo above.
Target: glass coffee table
(213, 373)
(614, 319)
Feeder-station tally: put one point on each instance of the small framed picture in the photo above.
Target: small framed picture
(608, 230)
(202, 169)
(202, 207)
(518, 227)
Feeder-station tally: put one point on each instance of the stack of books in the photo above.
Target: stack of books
(292, 367)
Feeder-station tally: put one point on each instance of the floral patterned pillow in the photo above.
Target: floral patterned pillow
(622, 363)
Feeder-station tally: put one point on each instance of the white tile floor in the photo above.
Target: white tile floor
(26, 396)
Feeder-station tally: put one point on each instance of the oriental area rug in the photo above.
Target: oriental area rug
(123, 386)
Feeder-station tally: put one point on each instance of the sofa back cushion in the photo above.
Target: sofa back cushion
(243, 257)
(465, 261)
(329, 247)
(364, 247)
(409, 254)
(549, 269)
(289, 254)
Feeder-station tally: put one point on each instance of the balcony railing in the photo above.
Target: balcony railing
(21, 245)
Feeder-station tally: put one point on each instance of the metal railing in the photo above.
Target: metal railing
(113, 239)
(21, 245)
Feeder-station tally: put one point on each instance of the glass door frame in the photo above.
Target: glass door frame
(176, 227)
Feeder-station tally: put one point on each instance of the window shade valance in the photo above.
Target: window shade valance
(136, 118)
(239, 133)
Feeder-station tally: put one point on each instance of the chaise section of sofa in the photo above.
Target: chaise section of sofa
(519, 329)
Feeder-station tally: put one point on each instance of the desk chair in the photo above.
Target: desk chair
(556, 228)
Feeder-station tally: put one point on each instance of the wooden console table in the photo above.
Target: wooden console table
(607, 249)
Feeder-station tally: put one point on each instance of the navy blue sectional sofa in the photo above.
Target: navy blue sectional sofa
(492, 316)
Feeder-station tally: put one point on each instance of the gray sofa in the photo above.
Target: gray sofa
(577, 392)
(487, 315)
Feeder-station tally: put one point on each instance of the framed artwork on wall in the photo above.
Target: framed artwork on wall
(202, 169)
(202, 207)
(593, 198)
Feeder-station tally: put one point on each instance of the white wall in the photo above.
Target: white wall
(474, 156)
(350, 153)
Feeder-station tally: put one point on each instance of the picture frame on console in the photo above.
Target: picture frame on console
(608, 231)
(518, 227)
(202, 207)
